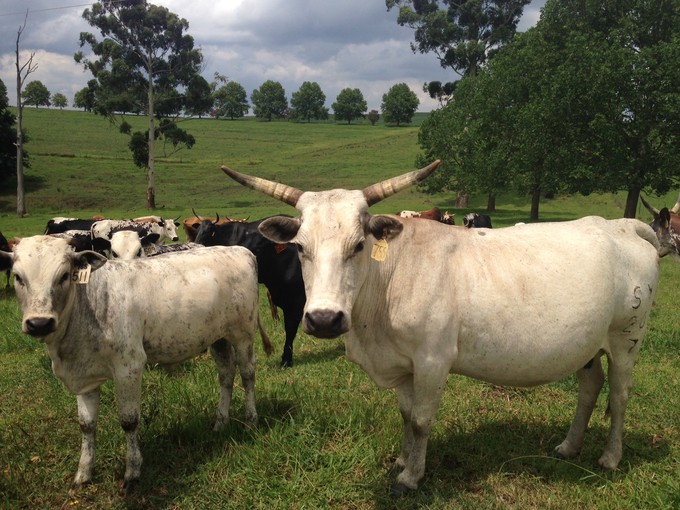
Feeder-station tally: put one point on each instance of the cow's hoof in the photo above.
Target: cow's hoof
(399, 490)
(129, 486)
(285, 363)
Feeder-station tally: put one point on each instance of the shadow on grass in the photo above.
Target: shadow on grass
(463, 463)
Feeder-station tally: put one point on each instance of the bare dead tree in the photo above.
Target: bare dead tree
(22, 73)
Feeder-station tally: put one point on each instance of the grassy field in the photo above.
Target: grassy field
(327, 435)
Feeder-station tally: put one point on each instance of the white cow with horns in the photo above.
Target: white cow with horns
(543, 301)
(110, 318)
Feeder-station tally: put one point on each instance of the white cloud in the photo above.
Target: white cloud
(351, 43)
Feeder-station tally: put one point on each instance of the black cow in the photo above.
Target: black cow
(4, 246)
(61, 225)
(278, 268)
(474, 220)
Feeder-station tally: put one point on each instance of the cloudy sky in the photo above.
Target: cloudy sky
(339, 44)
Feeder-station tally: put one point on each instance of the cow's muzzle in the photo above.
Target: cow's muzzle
(325, 323)
(40, 326)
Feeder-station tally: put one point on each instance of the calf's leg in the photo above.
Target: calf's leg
(223, 354)
(129, 395)
(246, 365)
(88, 410)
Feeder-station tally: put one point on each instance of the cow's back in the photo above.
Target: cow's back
(514, 297)
(170, 300)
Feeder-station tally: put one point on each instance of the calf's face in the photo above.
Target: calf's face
(44, 271)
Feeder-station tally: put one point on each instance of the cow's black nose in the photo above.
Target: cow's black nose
(40, 326)
(325, 323)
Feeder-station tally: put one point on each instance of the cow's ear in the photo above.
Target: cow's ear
(94, 259)
(665, 217)
(384, 227)
(280, 229)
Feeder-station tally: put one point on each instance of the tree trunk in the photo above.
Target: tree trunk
(631, 203)
(491, 203)
(150, 181)
(462, 201)
(535, 200)
(21, 205)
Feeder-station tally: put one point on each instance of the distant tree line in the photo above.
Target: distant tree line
(230, 101)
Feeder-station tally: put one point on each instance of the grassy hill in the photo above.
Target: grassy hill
(80, 165)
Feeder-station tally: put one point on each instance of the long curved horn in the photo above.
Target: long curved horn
(217, 218)
(676, 207)
(655, 212)
(381, 190)
(192, 210)
(284, 193)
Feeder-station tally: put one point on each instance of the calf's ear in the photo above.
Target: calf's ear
(384, 227)
(94, 259)
(280, 229)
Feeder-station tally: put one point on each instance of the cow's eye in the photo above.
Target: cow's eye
(18, 280)
(115, 255)
(300, 249)
(65, 278)
(359, 247)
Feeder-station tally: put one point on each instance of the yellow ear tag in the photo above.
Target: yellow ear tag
(82, 274)
(379, 251)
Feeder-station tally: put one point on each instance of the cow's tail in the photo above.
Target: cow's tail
(266, 343)
(647, 233)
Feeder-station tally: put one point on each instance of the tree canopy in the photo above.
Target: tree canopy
(231, 100)
(349, 105)
(269, 101)
(308, 102)
(463, 34)
(399, 104)
(59, 100)
(36, 93)
(145, 63)
(587, 101)
(8, 138)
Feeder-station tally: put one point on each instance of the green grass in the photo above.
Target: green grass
(327, 435)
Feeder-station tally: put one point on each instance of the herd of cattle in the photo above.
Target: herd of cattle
(541, 302)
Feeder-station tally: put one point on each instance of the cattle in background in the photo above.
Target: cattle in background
(60, 225)
(102, 320)
(106, 228)
(278, 268)
(474, 220)
(507, 320)
(192, 224)
(80, 240)
(169, 226)
(126, 243)
(666, 225)
(434, 214)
